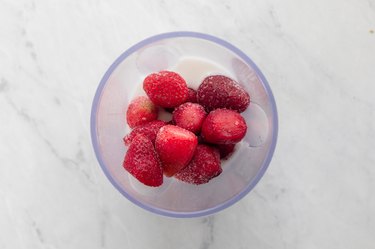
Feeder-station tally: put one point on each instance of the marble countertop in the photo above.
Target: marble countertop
(319, 58)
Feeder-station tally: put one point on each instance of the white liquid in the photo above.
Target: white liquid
(195, 69)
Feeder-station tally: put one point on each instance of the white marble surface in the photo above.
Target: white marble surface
(319, 57)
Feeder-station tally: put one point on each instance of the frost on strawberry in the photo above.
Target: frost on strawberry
(149, 130)
(219, 91)
(223, 126)
(166, 89)
(140, 111)
(204, 166)
(189, 116)
(141, 161)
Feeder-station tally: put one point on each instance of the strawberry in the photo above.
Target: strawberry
(189, 116)
(219, 91)
(192, 96)
(166, 89)
(204, 166)
(140, 111)
(225, 150)
(223, 126)
(175, 147)
(143, 163)
(148, 130)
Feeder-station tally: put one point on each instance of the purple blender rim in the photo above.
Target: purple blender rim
(166, 212)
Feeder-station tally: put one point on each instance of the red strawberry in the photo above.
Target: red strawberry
(192, 96)
(175, 147)
(143, 163)
(149, 130)
(219, 91)
(223, 126)
(140, 111)
(204, 166)
(166, 89)
(189, 116)
(225, 150)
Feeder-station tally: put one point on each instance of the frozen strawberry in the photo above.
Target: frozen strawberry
(225, 150)
(143, 163)
(166, 89)
(175, 147)
(223, 126)
(149, 130)
(219, 91)
(140, 111)
(189, 116)
(192, 96)
(204, 166)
